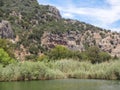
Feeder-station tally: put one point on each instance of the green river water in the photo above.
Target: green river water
(66, 84)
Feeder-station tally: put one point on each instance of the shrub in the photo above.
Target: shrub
(104, 56)
(59, 52)
(31, 57)
(7, 46)
(62, 52)
(33, 50)
(5, 58)
(95, 55)
(42, 57)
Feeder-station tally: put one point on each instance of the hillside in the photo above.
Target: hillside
(36, 28)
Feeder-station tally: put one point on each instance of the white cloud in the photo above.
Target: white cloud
(68, 15)
(116, 29)
(104, 16)
(107, 16)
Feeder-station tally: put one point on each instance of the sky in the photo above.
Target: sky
(101, 13)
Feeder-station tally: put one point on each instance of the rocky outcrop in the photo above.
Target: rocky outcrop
(54, 12)
(6, 30)
(75, 40)
(42, 25)
(50, 13)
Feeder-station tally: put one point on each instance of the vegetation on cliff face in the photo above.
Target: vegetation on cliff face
(30, 31)
(29, 21)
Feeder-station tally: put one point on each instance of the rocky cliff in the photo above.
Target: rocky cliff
(38, 28)
(75, 40)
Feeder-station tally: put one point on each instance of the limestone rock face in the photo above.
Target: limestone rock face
(54, 11)
(51, 13)
(76, 40)
(6, 30)
(42, 25)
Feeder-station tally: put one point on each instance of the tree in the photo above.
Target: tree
(59, 52)
(104, 56)
(95, 55)
(7, 46)
(5, 58)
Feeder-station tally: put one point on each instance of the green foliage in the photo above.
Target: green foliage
(59, 52)
(5, 58)
(33, 50)
(36, 34)
(59, 70)
(29, 20)
(7, 46)
(28, 71)
(104, 56)
(94, 55)
(86, 70)
(76, 55)
(32, 41)
(62, 52)
(31, 57)
(42, 58)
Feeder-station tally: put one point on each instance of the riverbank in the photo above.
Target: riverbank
(59, 70)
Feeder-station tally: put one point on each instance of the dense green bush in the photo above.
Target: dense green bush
(5, 58)
(92, 54)
(95, 55)
(33, 50)
(62, 52)
(7, 46)
(59, 52)
(42, 58)
(104, 56)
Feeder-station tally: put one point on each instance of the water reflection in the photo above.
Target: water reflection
(67, 84)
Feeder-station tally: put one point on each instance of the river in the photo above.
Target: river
(66, 84)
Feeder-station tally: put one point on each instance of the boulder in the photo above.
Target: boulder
(6, 30)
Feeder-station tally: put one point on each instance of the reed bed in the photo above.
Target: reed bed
(59, 70)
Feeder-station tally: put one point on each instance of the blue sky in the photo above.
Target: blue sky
(102, 13)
